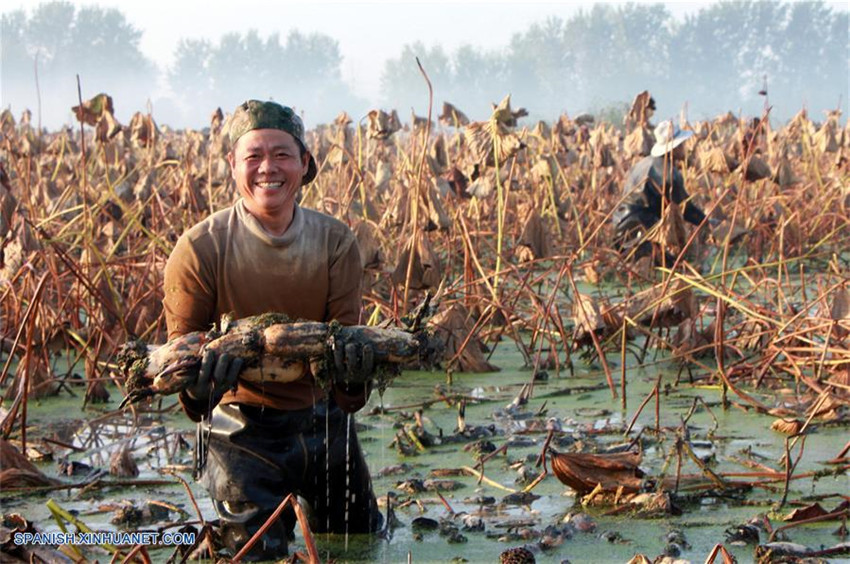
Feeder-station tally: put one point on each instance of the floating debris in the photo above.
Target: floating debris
(517, 555)
(610, 472)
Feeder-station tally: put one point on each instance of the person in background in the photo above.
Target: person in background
(652, 180)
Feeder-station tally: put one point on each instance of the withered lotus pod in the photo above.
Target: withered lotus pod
(452, 117)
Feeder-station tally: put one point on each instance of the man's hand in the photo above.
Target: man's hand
(353, 362)
(216, 376)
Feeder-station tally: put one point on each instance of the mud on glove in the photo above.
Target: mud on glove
(353, 362)
(217, 375)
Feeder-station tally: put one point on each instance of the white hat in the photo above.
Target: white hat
(667, 138)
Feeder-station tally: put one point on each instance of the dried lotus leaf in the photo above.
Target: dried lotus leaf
(504, 115)
(483, 138)
(825, 139)
(787, 426)
(366, 233)
(452, 117)
(122, 464)
(93, 109)
(670, 231)
(757, 169)
(382, 125)
(643, 107)
(587, 316)
(534, 239)
(639, 142)
(453, 327)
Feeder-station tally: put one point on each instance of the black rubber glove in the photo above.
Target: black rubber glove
(353, 362)
(216, 376)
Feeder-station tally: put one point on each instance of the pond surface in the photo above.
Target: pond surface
(590, 420)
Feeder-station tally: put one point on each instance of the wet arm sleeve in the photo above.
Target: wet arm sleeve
(188, 288)
(189, 303)
(345, 278)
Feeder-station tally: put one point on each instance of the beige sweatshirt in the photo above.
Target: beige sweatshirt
(229, 264)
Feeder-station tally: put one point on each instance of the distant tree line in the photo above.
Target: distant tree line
(715, 60)
(303, 70)
(63, 41)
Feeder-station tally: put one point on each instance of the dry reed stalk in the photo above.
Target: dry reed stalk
(720, 550)
(649, 396)
(289, 500)
(418, 191)
(119, 286)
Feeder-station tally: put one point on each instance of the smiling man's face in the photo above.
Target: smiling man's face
(268, 166)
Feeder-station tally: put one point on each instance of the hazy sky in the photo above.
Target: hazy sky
(368, 32)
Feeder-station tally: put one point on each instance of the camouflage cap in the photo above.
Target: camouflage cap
(255, 114)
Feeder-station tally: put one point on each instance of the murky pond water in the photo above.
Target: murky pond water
(589, 419)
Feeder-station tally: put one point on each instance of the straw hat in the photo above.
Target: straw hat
(667, 138)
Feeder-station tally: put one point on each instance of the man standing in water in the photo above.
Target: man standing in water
(645, 183)
(260, 442)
